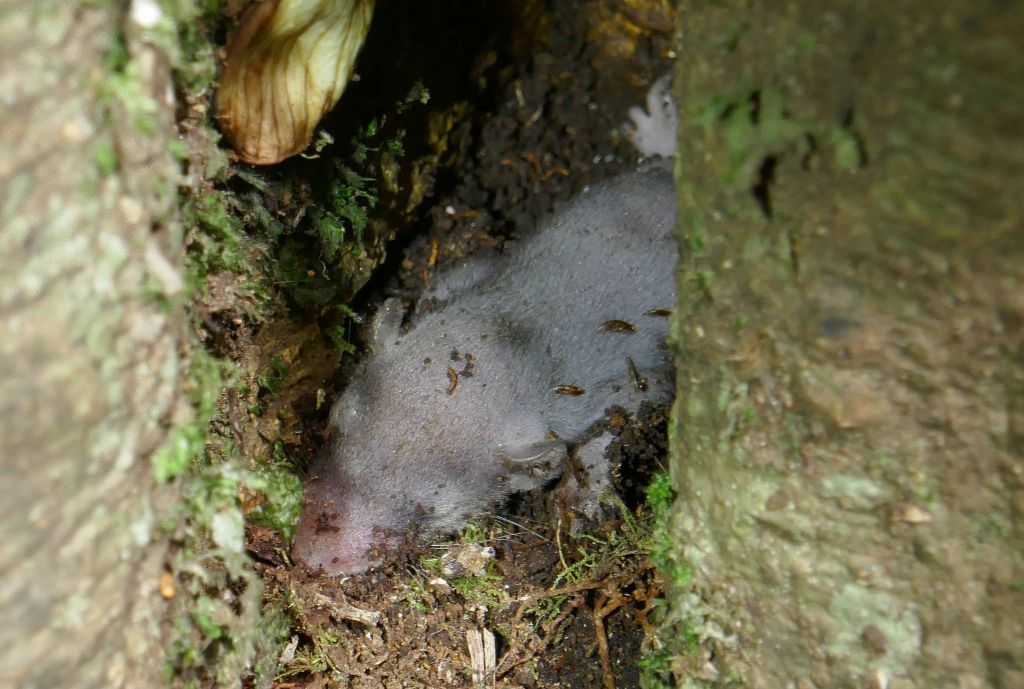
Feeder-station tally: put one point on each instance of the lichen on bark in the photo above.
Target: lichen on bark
(89, 362)
(848, 345)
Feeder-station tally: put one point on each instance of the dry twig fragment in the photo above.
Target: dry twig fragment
(481, 656)
(287, 65)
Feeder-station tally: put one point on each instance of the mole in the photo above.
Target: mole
(504, 369)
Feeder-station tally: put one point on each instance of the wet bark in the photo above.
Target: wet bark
(88, 360)
(848, 429)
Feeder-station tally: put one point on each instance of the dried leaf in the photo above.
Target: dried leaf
(287, 65)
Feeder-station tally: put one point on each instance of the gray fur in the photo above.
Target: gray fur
(425, 435)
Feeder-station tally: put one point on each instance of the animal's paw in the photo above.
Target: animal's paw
(653, 131)
(532, 465)
(586, 479)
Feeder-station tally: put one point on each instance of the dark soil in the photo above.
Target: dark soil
(568, 609)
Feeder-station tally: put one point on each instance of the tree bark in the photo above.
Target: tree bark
(848, 447)
(89, 355)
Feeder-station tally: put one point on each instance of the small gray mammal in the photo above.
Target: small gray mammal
(508, 363)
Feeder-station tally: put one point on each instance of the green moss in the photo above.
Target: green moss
(123, 84)
(283, 505)
(475, 532)
(339, 334)
(194, 57)
(315, 659)
(487, 589)
(662, 548)
(219, 628)
(417, 592)
(106, 158)
(665, 553)
(177, 149)
(298, 228)
(218, 241)
(656, 671)
(204, 384)
(271, 379)
(299, 271)
(174, 457)
(341, 213)
(348, 200)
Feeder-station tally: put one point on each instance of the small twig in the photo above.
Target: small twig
(601, 611)
(550, 629)
(234, 423)
(343, 611)
(575, 588)
(521, 526)
(481, 656)
(653, 591)
(288, 652)
(558, 542)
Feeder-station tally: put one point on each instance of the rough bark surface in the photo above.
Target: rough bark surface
(849, 424)
(88, 356)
